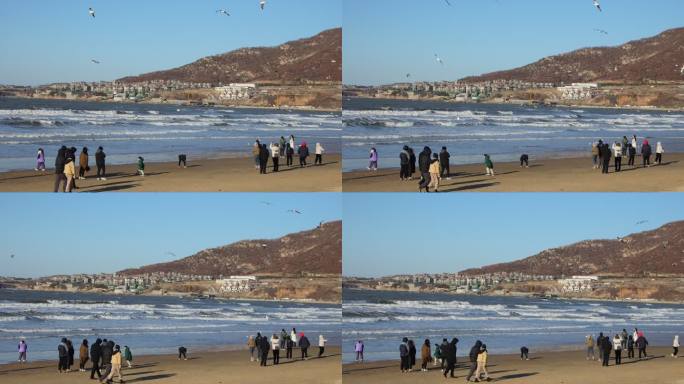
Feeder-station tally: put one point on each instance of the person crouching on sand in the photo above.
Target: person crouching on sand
(182, 351)
(321, 345)
(404, 355)
(373, 162)
(128, 356)
(358, 348)
(141, 166)
(589, 344)
(524, 353)
(425, 355)
(434, 173)
(482, 364)
(251, 344)
(489, 165)
(23, 349)
(675, 346)
(319, 154)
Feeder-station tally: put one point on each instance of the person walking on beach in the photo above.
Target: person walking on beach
(412, 162)
(263, 159)
(473, 355)
(289, 152)
(115, 363)
(589, 344)
(63, 354)
(321, 345)
(424, 168)
(641, 344)
(489, 165)
(595, 155)
(83, 355)
(182, 351)
(319, 154)
(434, 173)
(482, 358)
(304, 345)
(70, 352)
(141, 166)
(289, 344)
(100, 163)
(251, 344)
(450, 356)
(107, 348)
(444, 157)
(606, 347)
(404, 355)
(303, 153)
(631, 151)
(358, 348)
(617, 348)
(437, 356)
(275, 156)
(275, 346)
(256, 150)
(412, 354)
(128, 356)
(404, 167)
(675, 346)
(623, 338)
(257, 343)
(95, 356)
(444, 352)
(625, 145)
(282, 145)
(605, 157)
(373, 160)
(425, 355)
(659, 153)
(83, 164)
(617, 153)
(40, 160)
(23, 349)
(60, 178)
(646, 153)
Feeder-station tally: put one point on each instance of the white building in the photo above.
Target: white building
(578, 91)
(237, 284)
(236, 91)
(578, 284)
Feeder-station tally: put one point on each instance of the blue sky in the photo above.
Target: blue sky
(392, 233)
(385, 39)
(55, 234)
(54, 40)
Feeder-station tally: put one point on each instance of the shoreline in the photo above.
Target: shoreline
(233, 174)
(542, 368)
(546, 174)
(202, 366)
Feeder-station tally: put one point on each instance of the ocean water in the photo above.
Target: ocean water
(150, 325)
(156, 132)
(503, 131)
(382, 319)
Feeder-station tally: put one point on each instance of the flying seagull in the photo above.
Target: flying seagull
(408, 75)
(12, 256)
(223, 12)
(294, 211)
(597, 5)
(91, 12)
(600, 31)
(94, 61)
(448, 3)
(642, 222)
(439, 60)
(262, 4)
(265, 203)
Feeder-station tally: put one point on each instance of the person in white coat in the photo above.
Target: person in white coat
(292, 142)
(319, 154)
(275, 155)
(321, 345)
(659, 153)
(617, 348)
(617, 152)
(634, 143)
(675, 346)
(275, 346)
(293, 336)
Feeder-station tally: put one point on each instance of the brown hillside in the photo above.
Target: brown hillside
(314, 251)
(660, 251)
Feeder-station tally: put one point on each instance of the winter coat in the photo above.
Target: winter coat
(127, 354)
(675, 342)
(69, 168)
(594, 150)
(617, 344)
(424, 160)
(444, 157)
(251, 343)
(141, 164)
(646, 149)
(321, 341)
(263, 153)
(488, 162)
(275, 343)
(60, 160)
(403, 158)
(358, 347)
(116, 358)
(100, 158)
(659, 148)
(83, 352)
(482, 357)
(303, 151)
(304, 342)
(641, 342)
(83, 160)
(263, 345)
(425, 353)
(434, 167)
(319, 149)
(374, 156)
(62, 349)
(403, 350)
(474, 351)
(107, 349)
(275, 150)
(95, 352)
(41, 157)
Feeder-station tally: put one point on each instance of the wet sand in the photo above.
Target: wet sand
(543, 175)
(546, 368)
(215, 175)
(201, 367)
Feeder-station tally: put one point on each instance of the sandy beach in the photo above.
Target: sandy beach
(546, 368)
(543, 175)
(201, 175)
(201, 367)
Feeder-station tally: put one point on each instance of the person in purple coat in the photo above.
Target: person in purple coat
(40, 160)
(23, 348)
(373, 164)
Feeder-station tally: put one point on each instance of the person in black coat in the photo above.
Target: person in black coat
(474, 351)
(444, 163)
(107, 350)
(424, 168)
(606, 346)
(70, 352)
(63, 352)
(60, 177)
(404, 165)
(412, 162)
(412, 354)
(605, 157)
(100, 163)
(304, 345)
(631, 151)
(404, 355)
(450, 356)
(265, 346)
(95, 355)
(646, 153)
(263, 159)
(444, 352)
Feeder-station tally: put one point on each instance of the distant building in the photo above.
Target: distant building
(236, 91)
(578, 91)
(237, 284)
(578, 284)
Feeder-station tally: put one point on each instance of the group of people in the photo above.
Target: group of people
(260, 345)
(283, 148)
(602, 153)
(445, 355)
(622, 341)
(65, 166)
(106, 358)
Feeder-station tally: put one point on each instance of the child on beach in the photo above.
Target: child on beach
(358, 348)
(373, 163)
(182, 158)
(319, 154)
(482, 364)
(141, 166)
(23, 348)
(437, 356)
(116, 365)
(659, 153)
(128, 356)
(434, 173)
(69, 171)
(489, 165)
(321, 345)
(40, 160)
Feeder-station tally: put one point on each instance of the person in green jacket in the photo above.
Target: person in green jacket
(489, 165)
(128, 356)
(141, 166)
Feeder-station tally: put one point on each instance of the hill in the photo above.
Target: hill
(313, 59)
(660, 251)
(657, 58)
(314, 251)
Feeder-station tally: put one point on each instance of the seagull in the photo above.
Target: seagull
(439, 60)
(94, 61)
(294, 211)
(642, 222)
(597, 5)
(170, 254)
(12, 256)
(408, 75)
(448, 3)
(223, 12)
(91, 12)
(600, 31)
(262, 4)
(265, 203)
